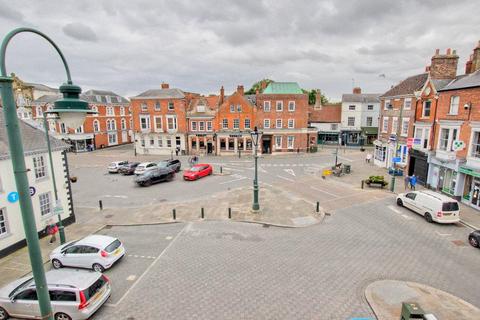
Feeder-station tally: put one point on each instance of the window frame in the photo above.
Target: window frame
(402, 132)
(277, 122)
(265, 103)
(265, 121)
(46, 208)
(290, 142)
(367, 121)
(452, 104)
(4, 228)
(156, 122)
(290, 104)
(350, 123)
(41, 172)
(394, 129)
(279, 103)
(424, 115)
(174, 122)
(225, 123)
(292, 122)
(405, 100)
(245, 123)
(385, 122)
(236, 123)
(277, 139)
(147, 122)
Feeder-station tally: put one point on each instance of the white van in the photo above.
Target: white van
(432, 205)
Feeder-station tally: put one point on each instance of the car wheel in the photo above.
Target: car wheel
(170, 177)
(62, 316)
(400, 202)
(147, 183)
(3, 314)
(56, 264)
(428, 217)
(98, 267)
(473, 241)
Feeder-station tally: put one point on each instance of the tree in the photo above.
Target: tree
(312, 96)
(257, 86)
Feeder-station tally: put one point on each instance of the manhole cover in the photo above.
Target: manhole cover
(109, 216)
(459, 243)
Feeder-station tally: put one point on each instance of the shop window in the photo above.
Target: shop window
(380, 152)
(290, 142)
(278, 142)
(194, 144)
(231, 144)
(223, 145)
(475, 149)
(249, 144)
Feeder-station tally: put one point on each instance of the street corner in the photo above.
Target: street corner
(385, 297)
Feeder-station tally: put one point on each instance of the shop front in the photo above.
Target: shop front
(471, 186)
(369, 134)
(418, 165)
(380, 153)
(201, 143)
(328, 137)
(352, 138)
(233, 143)
(79, 142)
(444, 177)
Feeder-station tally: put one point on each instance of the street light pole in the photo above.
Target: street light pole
(399, 123)
(256, 204)
(61, 229)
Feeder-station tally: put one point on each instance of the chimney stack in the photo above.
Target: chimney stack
(444, 66)
(165, 85)
(222, 95)
(468, 65)
(240, 89)
(357, 90)
(318, 100)
(475, 58)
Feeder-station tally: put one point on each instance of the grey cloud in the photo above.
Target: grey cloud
(9, 13)
(80, 31)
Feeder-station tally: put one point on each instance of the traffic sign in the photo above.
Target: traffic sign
(32, 191)
(12, 197)
(396, 159)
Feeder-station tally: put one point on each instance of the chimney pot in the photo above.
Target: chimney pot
(240, 89)
(449, 51)
(165, 86)
(222, 95)
(357, 90)
(437, 52)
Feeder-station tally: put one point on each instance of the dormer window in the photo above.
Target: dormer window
(200, 108)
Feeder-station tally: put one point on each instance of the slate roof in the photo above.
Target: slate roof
(89, 96)
(363, 97)
(407, 86)
(33, 139)
(471, 80)
(283, 88)
(440, 83)
(210, 103)
(161, 94)
(252, 98)
(41, 87)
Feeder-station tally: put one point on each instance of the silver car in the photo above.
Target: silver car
(74, 294)
(97, 252)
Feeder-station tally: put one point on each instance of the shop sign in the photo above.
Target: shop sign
(469, 172)
(236, 135)
(393, 137)
(201, 135)
(458, 145)
(396, 160)
(410, 142)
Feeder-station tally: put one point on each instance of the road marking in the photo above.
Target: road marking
(231, 169)
(294, 165)
(267, 184)
(288, 179)
(131, 277)
(234, 180)
(146, 271)
(110, 196)
(333, 195)
(393, 209)
(443, 234)
(168, 237)
(343, 158)
(407, 217)
(290, 171)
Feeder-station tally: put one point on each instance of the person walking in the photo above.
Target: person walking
(413, 182)
(52, 230)
(407, 181)
(368, 157)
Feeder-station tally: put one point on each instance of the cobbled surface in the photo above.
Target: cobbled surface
(227, 270)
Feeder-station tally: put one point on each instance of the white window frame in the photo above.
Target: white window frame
(45, 203)
(123, 124)
(122, 111)
(423, 109)
(225, 123)
(351, 123)
(239, 108)
(385, 124)
(193, 126)
(171, 106)
(158, 120)
(147, 122)
(404, 133)
(278, 123)
(209, 126)
(4, 229)
(473, 146)
(247, 123)
(236, 123)
(266, 123)
(290, 142)
(450, 139)
(112, 138)
(371, 121)
(174, 122)
(370, 107)
(278, 142)
(95, 109)
(386, 103)
(407, 103)
(40, 167)
(394, 128)
(160, 142)
(454, 105)
(110, 111)
(291, 106)
(96, 125)
(291, 123)
(157, 106)
(232, 108)
(265, 104)
(201, 126)
(351, 107)
(279, 106)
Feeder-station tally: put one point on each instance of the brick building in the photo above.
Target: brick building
(326, 119)
(159, 120)
(202, 125)
(110, 127)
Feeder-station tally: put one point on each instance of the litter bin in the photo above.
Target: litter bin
(346, 168)
(411, 310)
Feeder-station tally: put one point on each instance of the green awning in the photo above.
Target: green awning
(469, 171)
(370, 130)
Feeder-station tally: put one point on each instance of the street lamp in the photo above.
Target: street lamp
(73, 111)
(255, 135)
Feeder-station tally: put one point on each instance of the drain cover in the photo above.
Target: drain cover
(459, 243)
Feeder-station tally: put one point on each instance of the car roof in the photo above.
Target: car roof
(201, 165)
(437, 195)
(145, 163)
(70, 277)
(117, 162)
(96, 240)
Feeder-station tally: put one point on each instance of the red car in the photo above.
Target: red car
(197, 171)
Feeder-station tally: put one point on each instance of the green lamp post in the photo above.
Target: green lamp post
(72, 112)
(255, 134)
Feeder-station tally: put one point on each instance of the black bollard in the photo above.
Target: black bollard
(174, 213)
(229, 213)
(363, 181)
(203, 213)
(100, 204)
(221, 170)
(318, 206)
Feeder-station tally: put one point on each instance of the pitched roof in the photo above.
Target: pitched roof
(440, 83)
(283, 88)
(362, 97)
(471, 80)
(210, 103)
(33, 139)
(327, 113)
(41, 87)
(161, 94)
(91, 96)
(407, 86)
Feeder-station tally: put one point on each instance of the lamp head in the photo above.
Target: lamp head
(71, 109)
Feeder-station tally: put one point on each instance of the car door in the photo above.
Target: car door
(204, 171)
(25, 304)
(72, 257)
(87, 256)
(62, 300)
(409, 200)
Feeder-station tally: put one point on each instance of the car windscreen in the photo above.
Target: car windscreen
(113, 165)
(68, 245)
(112, 246)
(94, 288)
(450, 206)
(21, 286)
(196, 169)
(162, 164)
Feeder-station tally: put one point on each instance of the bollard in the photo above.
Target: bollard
(318, 206)
(221, 170)
(229, 213)
(174, 213)
(100, 204)
(203, 213)
(363, 181)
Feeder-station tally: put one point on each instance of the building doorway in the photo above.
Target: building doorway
(266, 144)
(209, 147)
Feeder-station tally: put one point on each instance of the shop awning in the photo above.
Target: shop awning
(370, 130)
(469, 171)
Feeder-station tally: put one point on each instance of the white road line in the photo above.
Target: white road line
(393, 209)
(234, 180)
(443, 234)
(333, 195)
(288, 179)
(131, 277)
(290, 171)
(346, 159)
(168, 238)
(147, 270)
(231, 169)
(267, 184)
(407, 217)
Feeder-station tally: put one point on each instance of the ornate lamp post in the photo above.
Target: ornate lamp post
(72, 112)
(255, 135)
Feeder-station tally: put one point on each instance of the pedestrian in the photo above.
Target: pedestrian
(413, 182)
(51, 229)
(177, 150)
(368, 157)
(407, 181)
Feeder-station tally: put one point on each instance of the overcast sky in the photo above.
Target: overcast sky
(131, 46)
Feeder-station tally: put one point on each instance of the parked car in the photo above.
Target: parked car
(154, 176)
(197, 171)
(432, 205)
(174, 164)
(74, 294)
(129, 168)
(144, 166)
(115, 166)
(97, 252)
(474, 238)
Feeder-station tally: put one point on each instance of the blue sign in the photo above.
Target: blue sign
(396, 159)
(12, 197)
(32, 191)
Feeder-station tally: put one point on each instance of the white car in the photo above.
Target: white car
(74, 294)
(144, 167)
(432, 205)
(95, 252)
(114, 166)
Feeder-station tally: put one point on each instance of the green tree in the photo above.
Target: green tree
(312, 96)
(257, 85)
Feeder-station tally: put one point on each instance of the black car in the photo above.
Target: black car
(474, 238)
(129, 168)
(174, 164)
(154, 176)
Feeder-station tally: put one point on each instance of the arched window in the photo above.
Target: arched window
(122, 111)
(124, 124)
(108, 125)
(94, 108)
(113, 124)
(96, 126)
